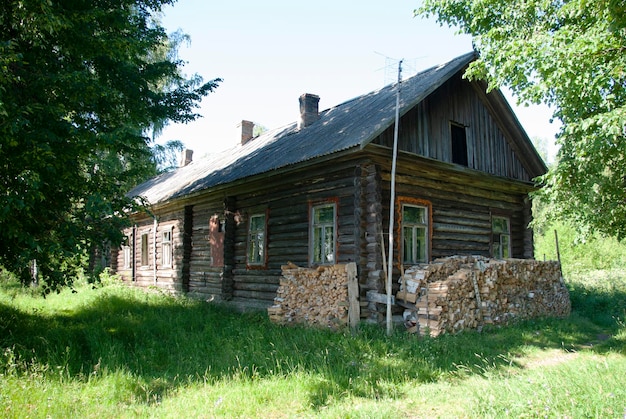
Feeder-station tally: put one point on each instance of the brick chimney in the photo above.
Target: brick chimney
(247, 128)
(309, 110)
(186, 157)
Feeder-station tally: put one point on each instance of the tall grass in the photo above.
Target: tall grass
(114, 351)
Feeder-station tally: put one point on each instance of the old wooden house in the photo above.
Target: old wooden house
(317, 192)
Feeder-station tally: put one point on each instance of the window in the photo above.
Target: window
(501, 237)
(256, 240)
(322, 234)
(166, 247)
(145, 257)
(459, 144)
(127, 252)
(415, 231)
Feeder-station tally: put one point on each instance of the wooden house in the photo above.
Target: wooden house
(317, 192)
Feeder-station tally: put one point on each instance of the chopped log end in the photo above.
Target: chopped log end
(458, 293)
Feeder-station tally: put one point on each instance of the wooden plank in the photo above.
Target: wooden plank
(354, 309)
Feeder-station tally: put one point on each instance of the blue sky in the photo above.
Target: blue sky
(268, 53)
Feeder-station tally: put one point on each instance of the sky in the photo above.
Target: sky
(270, 52)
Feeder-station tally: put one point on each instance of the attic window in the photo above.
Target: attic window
(459, 144)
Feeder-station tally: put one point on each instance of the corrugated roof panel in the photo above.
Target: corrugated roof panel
(351, 124)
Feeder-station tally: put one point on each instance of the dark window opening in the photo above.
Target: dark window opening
(459, 144)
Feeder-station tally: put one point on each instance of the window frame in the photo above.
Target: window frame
(127, 253)
(145, 248)
(323, 238)
(169, 249)
(401, 202)
(499, 236)
(458, 144)
(253, 238)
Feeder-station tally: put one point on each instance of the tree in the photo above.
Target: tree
(570, 55)
(81, 84)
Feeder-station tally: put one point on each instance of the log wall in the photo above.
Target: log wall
(287, 204)
(463, 201)
(154, 273)
(205, 278)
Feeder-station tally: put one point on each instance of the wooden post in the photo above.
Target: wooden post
(558, 252)
(354, 308)
(394, 159)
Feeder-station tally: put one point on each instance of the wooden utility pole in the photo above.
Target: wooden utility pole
(392, 203)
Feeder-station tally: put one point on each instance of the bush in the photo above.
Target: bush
(579, 253)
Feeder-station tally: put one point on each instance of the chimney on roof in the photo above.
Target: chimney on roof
(247, 128)
(309, 110)
(186, 157)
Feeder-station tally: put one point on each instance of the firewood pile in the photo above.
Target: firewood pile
(464, 292)
(317, 297)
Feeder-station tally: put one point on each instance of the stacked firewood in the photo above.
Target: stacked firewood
(458, 293)
(316, 297)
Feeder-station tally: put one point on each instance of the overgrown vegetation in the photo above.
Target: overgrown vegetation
(110, 350)
(568, 55)
(84, 87)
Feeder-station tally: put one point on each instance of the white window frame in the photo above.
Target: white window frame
(319, 231)
(501, 241)
(256, 251)
(127, 253)
(145, 252)
(167, 248)
(414, 257)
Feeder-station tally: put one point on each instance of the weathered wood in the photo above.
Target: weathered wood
(254, 295)
(462, 200)
(354, 312)
(252, 286)
(457, 293)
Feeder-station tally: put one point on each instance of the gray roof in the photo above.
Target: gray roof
(352, 124)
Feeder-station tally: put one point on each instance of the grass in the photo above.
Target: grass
(114, 351)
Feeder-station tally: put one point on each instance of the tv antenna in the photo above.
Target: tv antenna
(392, 65)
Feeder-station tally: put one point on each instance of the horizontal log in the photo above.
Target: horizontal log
(254, 295)
(255, 287)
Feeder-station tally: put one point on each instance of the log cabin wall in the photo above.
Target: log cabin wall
(463, 203)
(210, 228)
(286, 200)
(146, 265)
(205, 271)
(426, 130)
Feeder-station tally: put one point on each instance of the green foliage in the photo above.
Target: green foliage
(81, 82)
(579, 252)
(570, 55)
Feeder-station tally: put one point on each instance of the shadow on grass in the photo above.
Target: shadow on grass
(166, 342)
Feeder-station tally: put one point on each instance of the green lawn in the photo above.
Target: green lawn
(114, 351)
